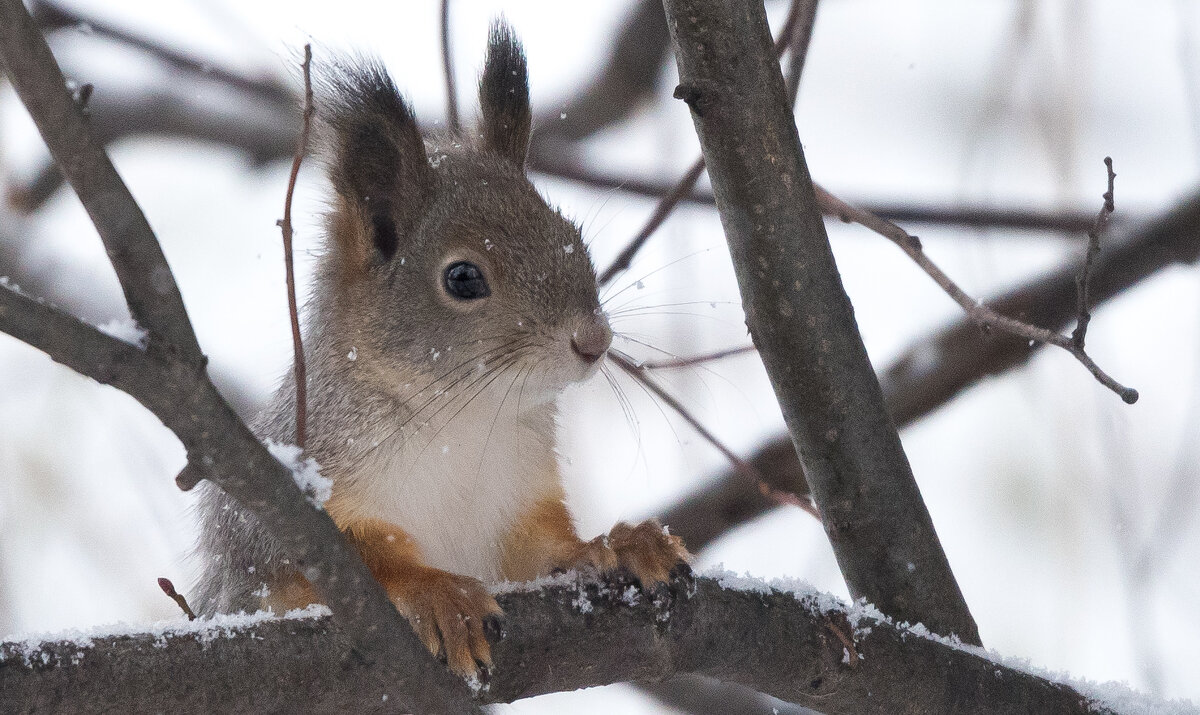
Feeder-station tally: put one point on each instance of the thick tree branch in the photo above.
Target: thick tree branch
(799, 647)
(801, 320)
(169, 379)
(149, 287)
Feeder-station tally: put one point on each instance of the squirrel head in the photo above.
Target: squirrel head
(442, 261)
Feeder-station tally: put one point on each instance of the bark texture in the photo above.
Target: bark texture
(801, 319)
(564, 636)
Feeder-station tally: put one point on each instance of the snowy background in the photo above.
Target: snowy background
(1069, 518)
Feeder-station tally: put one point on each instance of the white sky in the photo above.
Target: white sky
(1035, 480)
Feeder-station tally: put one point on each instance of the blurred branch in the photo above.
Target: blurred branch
(52, 16)
(622, 83)
(939, 367)
(550, 647)
(452, 121)
(796, 494)
(146, 280)
(168, 376)
(801, 14)
(264, 125)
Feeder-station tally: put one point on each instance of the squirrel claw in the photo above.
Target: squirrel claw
(493, 627)
(645, 555)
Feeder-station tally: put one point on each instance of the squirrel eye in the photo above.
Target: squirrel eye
(466, 282)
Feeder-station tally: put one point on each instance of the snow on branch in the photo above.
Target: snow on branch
(788, 641)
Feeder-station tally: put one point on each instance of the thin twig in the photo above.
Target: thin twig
(983, 316)
(452, 120)
(800, 14)
(672, 363)
(664, 208)
(1083, 283)
(169, 589)
(285, 227)
(779, 497)
(801, 38)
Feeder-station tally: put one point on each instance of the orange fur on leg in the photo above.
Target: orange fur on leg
(545, 539)
(450, 613)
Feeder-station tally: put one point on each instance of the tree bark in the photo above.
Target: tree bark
(799, 647)
(801, 320)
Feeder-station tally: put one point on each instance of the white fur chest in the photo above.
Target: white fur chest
(457, 489)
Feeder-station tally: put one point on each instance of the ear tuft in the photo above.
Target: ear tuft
(504, 95)
(377, 159)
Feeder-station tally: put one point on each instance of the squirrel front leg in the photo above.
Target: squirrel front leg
(545, 539)
(454, 616)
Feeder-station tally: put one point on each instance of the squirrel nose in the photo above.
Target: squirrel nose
(591, 341)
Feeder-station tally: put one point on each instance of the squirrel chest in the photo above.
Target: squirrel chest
(455, 489)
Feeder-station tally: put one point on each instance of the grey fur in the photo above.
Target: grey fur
(382, 303)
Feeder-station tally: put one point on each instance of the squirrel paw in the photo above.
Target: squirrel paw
(455, 617)
(647, 552)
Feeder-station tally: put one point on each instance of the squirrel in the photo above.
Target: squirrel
(451, 307)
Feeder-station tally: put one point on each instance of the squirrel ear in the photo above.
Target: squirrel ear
(504, 95)
(378, 163)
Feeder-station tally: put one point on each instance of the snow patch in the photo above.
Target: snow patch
(1118, 697)
(37, 649)
(305, 470)
(126, 330)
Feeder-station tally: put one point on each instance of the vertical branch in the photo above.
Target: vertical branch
(452, 120)
(285, 227)
(1083, 283)
(795, 33)
(802, 321)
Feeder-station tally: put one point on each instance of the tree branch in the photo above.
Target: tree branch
(940, 366)
(795, 646)
(795, 33)
(149, 287)
(983, 316)
(452, 121)
(285, 228)
(801, 320)
(168, 378)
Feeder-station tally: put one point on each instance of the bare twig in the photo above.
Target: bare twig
(747, 470)
(452, 120)
(285, 227)
(695, 359)
(800, 15)
(801, 38)
(983, 316)
(802, 321)
(940, 366)
(665, 206)
(169, 589)
(1084, 282)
